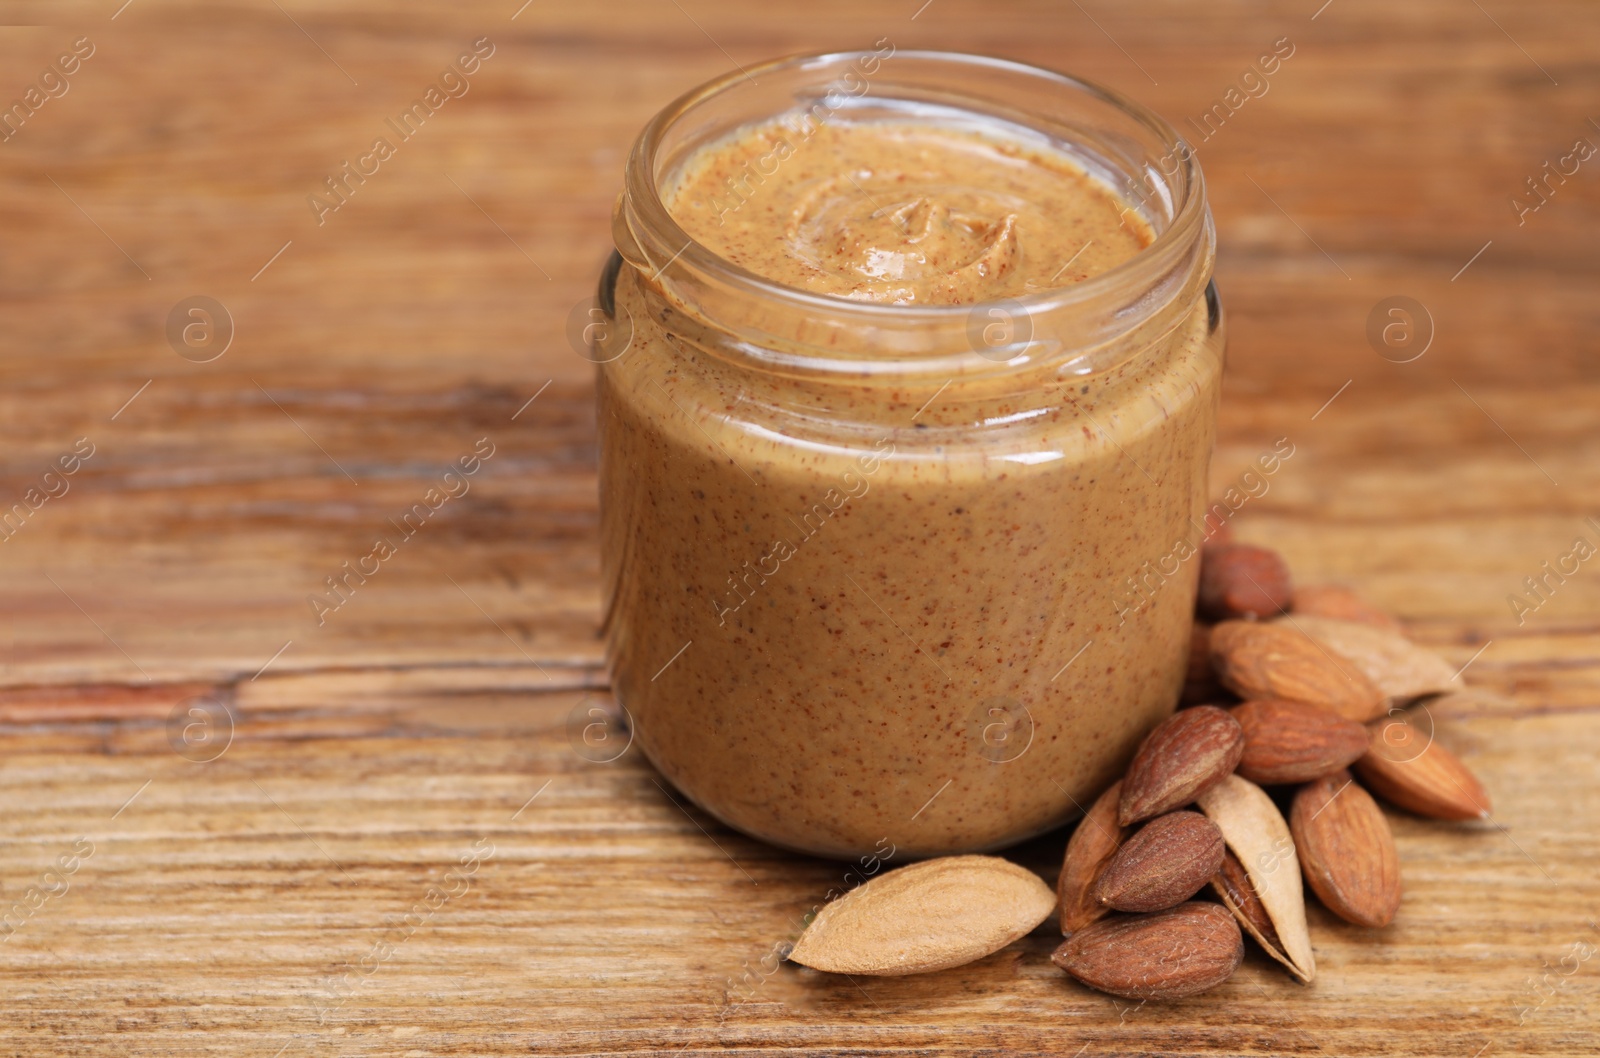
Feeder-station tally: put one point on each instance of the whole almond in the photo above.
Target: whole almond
(1238, 894)
(1257, 660)
(1165, 863)
(1256, 832)
(928, 916)
(1186, 753)
(1093, 843)
(1346, 850)
(1396, 666)
(1340, 603)
(1166, 955)
(1242, 580)
(1294, 742)
(1406, 767)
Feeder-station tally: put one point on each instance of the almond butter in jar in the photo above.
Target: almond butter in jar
(906, 404)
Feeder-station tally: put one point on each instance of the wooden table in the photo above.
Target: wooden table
(283, 898)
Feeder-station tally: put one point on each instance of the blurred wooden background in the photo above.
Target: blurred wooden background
(222, 904)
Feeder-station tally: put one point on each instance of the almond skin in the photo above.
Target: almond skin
(1093, 843)
(1341, 604)
(1256, 660)
(1242, 580)
(929, 916)
(1169, 860)
(1295, 742)
(1186, 753)
(1346, 850)
(1407, 768)
(1166, 955)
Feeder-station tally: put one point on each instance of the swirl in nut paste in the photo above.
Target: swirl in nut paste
(902, 212)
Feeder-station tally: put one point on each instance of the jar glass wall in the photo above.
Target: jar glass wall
(892, 574)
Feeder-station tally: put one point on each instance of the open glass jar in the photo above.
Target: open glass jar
(914, 576)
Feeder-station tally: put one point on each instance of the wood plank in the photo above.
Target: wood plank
(243, 884)
(370, 752)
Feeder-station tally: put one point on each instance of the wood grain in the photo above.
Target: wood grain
(222, 907)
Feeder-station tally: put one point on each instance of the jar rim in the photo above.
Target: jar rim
(1121, 290)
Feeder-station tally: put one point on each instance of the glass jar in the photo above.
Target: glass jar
(884, 576)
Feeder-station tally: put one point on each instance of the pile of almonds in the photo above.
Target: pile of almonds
(1287, 689)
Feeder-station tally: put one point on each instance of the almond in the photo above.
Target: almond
(1186, 753)
(1093, 843)
(1407, 768)
(1232, 885)
(1166, 955)
(1340, 603)
(1276, 661)
(1396, 666)
(1164, 864)
(1259, 837)
(1346, 850)
(1242, 580)
(1200, 680)
(1294, 742)
(928, 916)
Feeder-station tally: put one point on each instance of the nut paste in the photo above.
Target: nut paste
(934, 614)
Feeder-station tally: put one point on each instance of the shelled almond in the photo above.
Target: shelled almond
(1242, 580)
(1238, 894)
(1340, 603)
(1166, 955)
(1323, 677)
(1093, 843)
(1169, 860)
(1258, 835)
(1200, 682)
(1272, 660)
(1187, 752)
(1346, 850)
(1291, 742)
(1408, 768)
